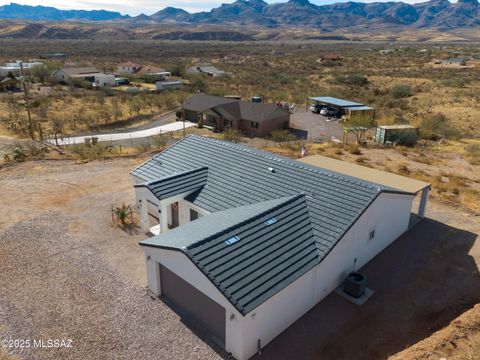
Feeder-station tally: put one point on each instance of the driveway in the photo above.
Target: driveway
(315, 127)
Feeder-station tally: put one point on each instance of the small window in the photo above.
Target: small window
(371, 235)
(254, 124)
(271, 221)
(193, 215)
(232, 240)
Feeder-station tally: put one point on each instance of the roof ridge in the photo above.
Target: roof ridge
(295, 163)
(172, 176)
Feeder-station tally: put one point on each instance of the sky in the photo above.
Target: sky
(136, 7)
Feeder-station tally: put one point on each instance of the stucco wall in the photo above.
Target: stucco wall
(389, 215)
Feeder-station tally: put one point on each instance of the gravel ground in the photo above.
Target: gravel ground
(68, 273)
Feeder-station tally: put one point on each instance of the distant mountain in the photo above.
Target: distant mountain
(435, 14)
(39, 13)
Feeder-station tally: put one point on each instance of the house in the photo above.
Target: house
(10, 84)
(220, 113)
(250, 241)
(153, 71)
(67, 75)
(330, 58)
(454, 61)
(208, 69)
(390, 134)
(105, 80)
(168, 85)
(15, 67)
(128, 67)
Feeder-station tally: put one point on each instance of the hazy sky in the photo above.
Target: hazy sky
(135, 7)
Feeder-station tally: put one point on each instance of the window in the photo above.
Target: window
(254, 124)
(193, 215)
(371, 235)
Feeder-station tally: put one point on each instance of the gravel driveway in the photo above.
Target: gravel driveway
(67, 272)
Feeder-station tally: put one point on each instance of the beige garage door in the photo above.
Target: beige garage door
(193, 305)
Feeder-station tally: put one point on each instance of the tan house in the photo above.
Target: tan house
(128, 67)
(220, 113)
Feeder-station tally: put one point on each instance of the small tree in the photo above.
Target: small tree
(437, 127)
(357, 125)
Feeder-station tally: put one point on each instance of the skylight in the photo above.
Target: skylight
(271, 221)
(232, 240)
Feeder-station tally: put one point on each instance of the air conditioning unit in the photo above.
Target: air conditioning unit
(355, 284)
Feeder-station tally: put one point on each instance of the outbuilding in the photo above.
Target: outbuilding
(389, 134)
(249, 241)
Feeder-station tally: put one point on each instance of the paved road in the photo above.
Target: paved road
(134, 134)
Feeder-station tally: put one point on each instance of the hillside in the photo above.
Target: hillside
(441, 15)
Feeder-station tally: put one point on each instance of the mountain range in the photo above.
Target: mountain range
(433, 14)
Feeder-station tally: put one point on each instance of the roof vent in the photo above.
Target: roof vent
(271, 169)
(271, 221)
(232, 240)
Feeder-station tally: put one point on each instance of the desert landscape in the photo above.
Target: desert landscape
(70, 262)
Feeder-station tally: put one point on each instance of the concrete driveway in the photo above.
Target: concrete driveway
(134, 134)
(315, 127)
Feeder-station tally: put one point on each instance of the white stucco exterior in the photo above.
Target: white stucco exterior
(388, 215)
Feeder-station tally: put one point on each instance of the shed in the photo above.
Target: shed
(360, 111)
(389, 134)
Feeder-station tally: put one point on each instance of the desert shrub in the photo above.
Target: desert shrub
(401, 91)
(355, 150)
(18, 154)
(361, 159)
(282, 135)
(232, 135)
(352, 79)
(438, 127)
(403, 169)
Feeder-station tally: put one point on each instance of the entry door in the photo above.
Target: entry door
(174, 207)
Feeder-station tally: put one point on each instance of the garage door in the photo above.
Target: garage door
(193, 304)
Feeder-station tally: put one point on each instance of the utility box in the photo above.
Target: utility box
(355, 284)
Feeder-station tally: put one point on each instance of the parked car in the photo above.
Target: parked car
(329, 112)
(316, 108)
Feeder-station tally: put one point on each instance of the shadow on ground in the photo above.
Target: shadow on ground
(422, 282)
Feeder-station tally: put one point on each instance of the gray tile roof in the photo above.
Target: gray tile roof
(326, 204)
(232, 109)
(262, 248)
(177, 184)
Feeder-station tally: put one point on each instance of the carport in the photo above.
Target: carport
(346, 107)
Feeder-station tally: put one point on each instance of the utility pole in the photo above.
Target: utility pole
(27, 102)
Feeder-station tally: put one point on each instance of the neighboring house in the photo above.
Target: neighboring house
(168, 85)
(454, 61)
(105, 80)
(10, 84)
(250, 241)
(128, 67)
(15, 68)
(67, 75)
(208, 69)
(331, 58)
(220, 113)
(153, 71)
